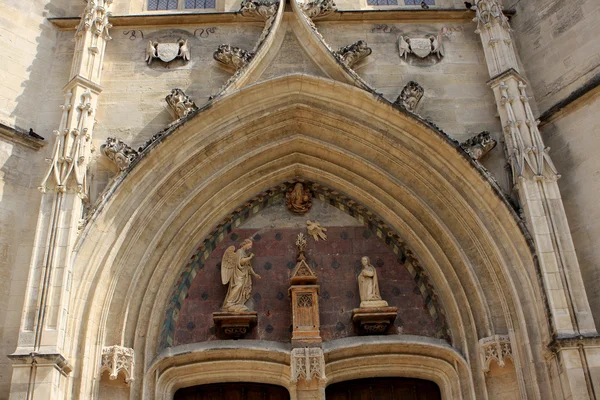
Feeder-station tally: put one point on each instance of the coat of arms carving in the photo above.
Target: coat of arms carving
(423, 48)
(167, 52)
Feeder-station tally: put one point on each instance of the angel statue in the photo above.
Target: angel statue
(236, 270)
(368, 286)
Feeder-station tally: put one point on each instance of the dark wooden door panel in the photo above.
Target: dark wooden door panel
(384, 389)
(233, 391)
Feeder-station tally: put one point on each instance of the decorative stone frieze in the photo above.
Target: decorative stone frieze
(308, 364)
(233, 57)
(353, 53)
(263, 9)
(495, 348)
(181, 105)
(318, 8)
(411, 95)
(119, 153)
(168, 52)
(479, 145)
(117, 359)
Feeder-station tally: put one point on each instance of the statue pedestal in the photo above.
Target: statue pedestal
(234, 325)
(374, 320)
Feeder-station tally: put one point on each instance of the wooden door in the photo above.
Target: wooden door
(384, 389)
(233, 391)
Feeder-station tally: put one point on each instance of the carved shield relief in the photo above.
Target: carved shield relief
(167, 51)
(421, 47)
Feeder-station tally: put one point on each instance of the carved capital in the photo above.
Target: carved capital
(497, 347)
(263, 9)
(119, 153)
(410, 96)
(353, 53)
(117, 359)
(233, 57)
(479, 145)
(181, 104)
(318, 8)
(307, 363)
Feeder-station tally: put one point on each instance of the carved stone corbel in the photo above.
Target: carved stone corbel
(181, 104)
(497, 347)
(233, 57)
(479, 145)
(118, 152)
(410, 96)
(318, 8)
(353, 53)
(263, 9)
(308, 363)
(117, 359)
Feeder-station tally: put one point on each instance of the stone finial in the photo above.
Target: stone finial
(118, 152)
(353, 53)
(180, 103)
(117, 359)
(263, 9)
(489, 12)
(497, 347)
(308, 363)
(479, 145)
(233, 57)
(410, 96)
(318, 8)
(95, 18)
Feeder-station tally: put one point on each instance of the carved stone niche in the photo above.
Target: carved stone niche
(233, 57)
(495, 348)
(479, 145)
(410, 97)
(353, 53)
(117, 359)
(304, 292)
(234, 325)
(119, 153)
(180, 104)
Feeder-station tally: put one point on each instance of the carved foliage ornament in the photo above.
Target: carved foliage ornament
(479, 145)
(494, 348)
(233, 57)
(308, 363)
(180, 103)
(264, 9)
(318, 8)
(351, 54)
(119, 153)
(410, 96)
(167, 52)
(117, 359)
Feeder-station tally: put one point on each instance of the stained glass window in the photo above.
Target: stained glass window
(162, 4)
(418, 2)
(200, 3)
(382, 2)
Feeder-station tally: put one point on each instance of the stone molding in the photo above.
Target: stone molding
(495, 348)
(307, 363)
(21, 137)
(117, 359)
(55, 360)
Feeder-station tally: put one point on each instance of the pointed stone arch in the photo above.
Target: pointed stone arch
(416, 179)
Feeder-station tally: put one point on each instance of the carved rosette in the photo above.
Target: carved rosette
(410, 96)
(117, 359)
(308, 364)
(263, 9)
(353, 53)
(119, 153)
(181, 104)
(318, 8)
(95, 18)
(233, 57)
(479, 145)
(494, 348)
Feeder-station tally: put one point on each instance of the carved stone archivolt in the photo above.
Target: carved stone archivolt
(410, 96)
(298, 199)
(119, 152)
(233, 57)
(180, 104)
(117, 359)
(495, 348)
(167, 52)
(353, 53)
(318, 8)
(263, 9)
(308, 364)
(479, 145)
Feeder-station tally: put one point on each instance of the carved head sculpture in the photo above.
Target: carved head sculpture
(365, 261)
(247, 244)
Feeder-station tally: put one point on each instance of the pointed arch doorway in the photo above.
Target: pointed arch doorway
(233, 391)
(384, 389)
